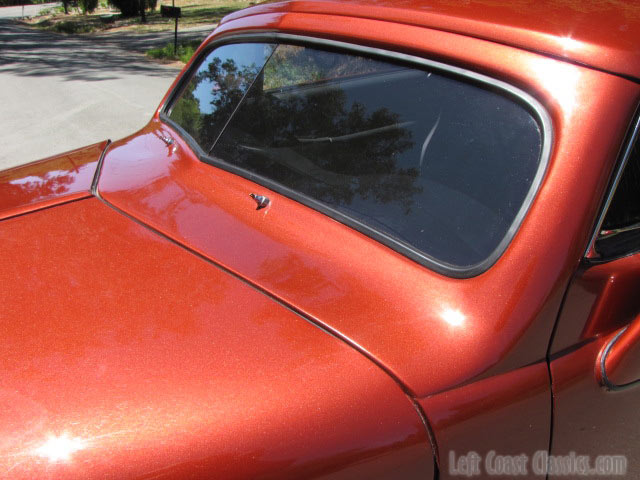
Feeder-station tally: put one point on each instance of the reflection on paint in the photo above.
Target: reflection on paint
(455, 318)
(60, 448)
(569, 44)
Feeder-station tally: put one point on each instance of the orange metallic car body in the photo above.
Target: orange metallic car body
(171, 330)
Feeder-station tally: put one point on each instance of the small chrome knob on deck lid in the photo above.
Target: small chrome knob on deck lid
(261, 200)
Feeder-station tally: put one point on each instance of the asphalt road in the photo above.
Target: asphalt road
(60, 92)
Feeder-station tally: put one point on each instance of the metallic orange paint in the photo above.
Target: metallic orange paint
(622, 359)
(126, 356)
(508, 414)
(208, 358)
(589, 418)
(48, 182)
(592, 32)
(395, 311)
(391, 309)
(601, 300)
(360, 289)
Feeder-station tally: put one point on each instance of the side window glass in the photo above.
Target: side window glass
(620, 231)
(216, 88)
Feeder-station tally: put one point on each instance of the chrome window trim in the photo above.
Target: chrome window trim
(534, 106)
(617, 231)
(590, 253)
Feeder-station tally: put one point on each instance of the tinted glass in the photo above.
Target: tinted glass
(216, 88)
(624, 210)
(436, 164)
(620, 231)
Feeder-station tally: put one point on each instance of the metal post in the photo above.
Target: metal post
(175, 37)
(175, 40)
(174, 12)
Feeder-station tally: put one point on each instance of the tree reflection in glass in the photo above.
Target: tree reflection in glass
(300, 126)
(216, 88)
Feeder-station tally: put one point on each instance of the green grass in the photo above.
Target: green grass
(72, 27)
(184, 53)
(50, 11)
(194, 12)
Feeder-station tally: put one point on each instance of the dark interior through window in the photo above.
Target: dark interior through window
(620, 231)
(436, 164)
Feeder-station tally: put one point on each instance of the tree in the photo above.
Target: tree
(131, 8)
(143, 16)
(128, 8)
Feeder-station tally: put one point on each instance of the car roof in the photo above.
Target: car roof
(601, 34)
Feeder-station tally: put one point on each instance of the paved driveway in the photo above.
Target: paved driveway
(61, 92)
(25, 10)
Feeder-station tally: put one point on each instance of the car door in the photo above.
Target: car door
(595, 364)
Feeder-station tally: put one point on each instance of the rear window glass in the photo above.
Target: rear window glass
(435, 166)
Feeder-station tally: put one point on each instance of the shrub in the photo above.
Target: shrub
(88, 6)
(128, 8)
(184, 54)
(131, 8)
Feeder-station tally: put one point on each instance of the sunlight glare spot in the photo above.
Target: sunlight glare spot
(455, 318)
(569, 43)
(60, 448)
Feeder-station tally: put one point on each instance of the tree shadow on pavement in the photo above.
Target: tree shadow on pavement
(33, 53)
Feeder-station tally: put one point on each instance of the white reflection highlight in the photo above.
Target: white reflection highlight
(60, 448)
(569, 43)
(455, 318)
(561, 80)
